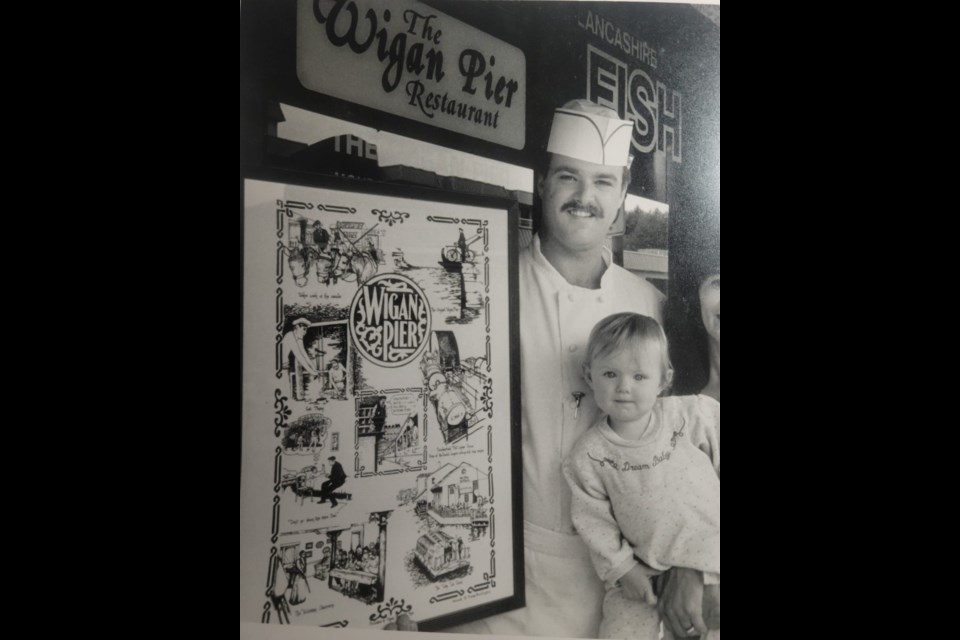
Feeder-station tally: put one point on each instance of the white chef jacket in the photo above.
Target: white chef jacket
(563, 594)
(556, 318)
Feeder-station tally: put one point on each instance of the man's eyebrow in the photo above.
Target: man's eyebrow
(596, 176)
(608, 176)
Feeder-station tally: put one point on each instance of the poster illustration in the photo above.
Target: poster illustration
(380, 421)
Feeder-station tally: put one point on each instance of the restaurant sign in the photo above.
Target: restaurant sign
(622, 74)
(408, 59)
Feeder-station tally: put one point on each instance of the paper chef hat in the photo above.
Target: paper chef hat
(589, 132)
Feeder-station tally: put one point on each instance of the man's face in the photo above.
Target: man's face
(580, 202)
(710, 305)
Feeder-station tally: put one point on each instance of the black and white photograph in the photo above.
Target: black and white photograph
(481, 355)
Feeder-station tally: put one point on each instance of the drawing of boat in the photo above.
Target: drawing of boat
(453, 256)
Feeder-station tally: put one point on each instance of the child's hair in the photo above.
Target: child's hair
(617, 331)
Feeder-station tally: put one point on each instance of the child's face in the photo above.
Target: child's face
(626, 383)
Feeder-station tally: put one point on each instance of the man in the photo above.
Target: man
(292, 352)
(462, 244)
(337, 250)
(321, 568)
(338, 379)
(567, 283)
(321, 237)
(380, 414)
(337, 478)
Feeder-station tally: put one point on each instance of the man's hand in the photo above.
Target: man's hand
(711, 606)
(681, 602)
(403, 623)
(636, 585)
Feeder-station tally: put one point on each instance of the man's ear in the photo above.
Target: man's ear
(623, 202)
(540, 186)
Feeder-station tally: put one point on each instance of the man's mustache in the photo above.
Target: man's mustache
(577, 204)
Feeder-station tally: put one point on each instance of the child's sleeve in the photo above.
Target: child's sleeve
(592, 515)
(706, 431)
(706, 436)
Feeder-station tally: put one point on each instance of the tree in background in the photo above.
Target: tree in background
(645, 230)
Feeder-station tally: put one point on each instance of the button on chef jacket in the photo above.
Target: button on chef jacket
(555, 322)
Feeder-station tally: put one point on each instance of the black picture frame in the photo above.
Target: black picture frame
(509, 297)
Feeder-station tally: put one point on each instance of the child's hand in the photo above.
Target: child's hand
(636, 585)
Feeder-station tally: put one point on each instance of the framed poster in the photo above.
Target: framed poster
(380, 447)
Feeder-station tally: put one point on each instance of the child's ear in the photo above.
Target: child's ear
(586, 375)
(667, 381)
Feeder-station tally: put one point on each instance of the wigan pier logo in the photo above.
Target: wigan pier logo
(390, 320)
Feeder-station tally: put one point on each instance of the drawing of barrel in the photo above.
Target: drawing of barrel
(452, 407)
(433, 373)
